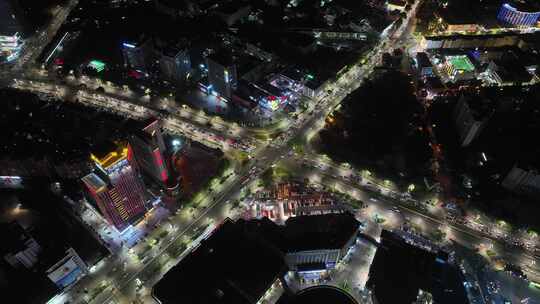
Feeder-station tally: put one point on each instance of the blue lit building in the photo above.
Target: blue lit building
(510, 15)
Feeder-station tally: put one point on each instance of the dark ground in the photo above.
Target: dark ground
(197, 164)
(55, 229)
(509, 137)
(379, 128)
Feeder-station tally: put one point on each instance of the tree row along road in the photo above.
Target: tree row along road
(315, 160)
(264, 157)
(270, 155)
(462, 234)
(136, 111)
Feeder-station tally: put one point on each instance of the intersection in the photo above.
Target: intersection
(128, 275)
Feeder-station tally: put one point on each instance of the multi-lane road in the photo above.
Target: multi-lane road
(426, 220)
(117, 277)
(127, 276)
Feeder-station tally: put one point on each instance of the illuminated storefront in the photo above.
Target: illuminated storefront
(10, 47)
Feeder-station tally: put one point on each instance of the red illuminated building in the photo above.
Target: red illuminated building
(149, 154)
(116, 189)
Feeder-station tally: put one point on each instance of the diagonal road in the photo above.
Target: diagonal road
(117, 278)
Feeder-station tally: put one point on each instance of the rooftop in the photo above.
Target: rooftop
(524, 6)
(231, 266)
(423, 60)
(94, 182)
(107, 154)
(319, 295)
(253, 252)
(461, 62)
(222, 57)
(480, 107)
(328, 231)
(399, 270)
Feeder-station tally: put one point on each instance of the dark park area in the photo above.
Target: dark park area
(379, 127)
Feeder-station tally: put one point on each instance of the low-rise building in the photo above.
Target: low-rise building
(523, 179)
(67, 270)
(459, 68)
(302, 82)
(240, 261)
(403, 272)
(19, 248)
(317, 243)
(233, 265)
(294, 199)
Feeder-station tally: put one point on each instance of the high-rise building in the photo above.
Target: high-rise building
(116, 188)
(137, 55)
(511, 15)
(11, 30)
(222, 75)
(149, 151)
(175, 64)
(471, 118)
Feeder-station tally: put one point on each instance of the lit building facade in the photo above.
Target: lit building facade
(509, 14)
(116, 189)
(137, 54)
(291, 200)
(11, 30)
(68, 270)
(222, 76)
(459, 68)
(175, 64)
(150, 156)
